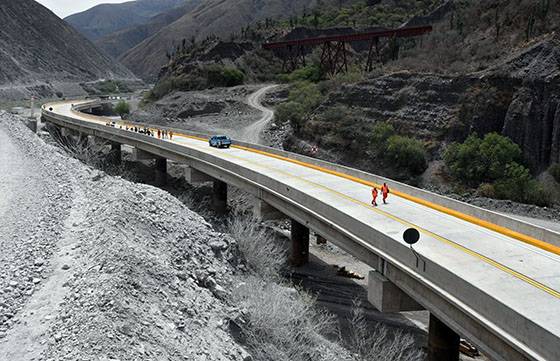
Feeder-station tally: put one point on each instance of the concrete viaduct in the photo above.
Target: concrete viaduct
(483, 276)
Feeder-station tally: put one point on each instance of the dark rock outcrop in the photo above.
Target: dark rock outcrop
(519, 98)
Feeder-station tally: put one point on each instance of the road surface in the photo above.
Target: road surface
(524, 280)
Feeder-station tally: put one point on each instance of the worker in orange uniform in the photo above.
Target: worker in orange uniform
(374, 196)
(385, 191)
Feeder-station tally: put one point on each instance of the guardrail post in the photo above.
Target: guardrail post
(443, 342)
(219, 197)
(300, 244)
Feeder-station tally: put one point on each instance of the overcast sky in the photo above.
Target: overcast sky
(63, 8)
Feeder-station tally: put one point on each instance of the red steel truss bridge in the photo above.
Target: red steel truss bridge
(334, 54)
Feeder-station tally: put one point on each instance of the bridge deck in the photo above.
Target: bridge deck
(520, 276)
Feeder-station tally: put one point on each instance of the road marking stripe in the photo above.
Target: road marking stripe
(466, 250)
(471, 219)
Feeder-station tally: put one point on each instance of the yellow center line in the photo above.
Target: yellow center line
(406, 223)
(456, 245)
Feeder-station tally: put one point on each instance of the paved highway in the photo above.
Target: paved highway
(522, 277)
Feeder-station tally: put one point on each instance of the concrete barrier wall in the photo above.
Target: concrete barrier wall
(498, 219)
(448, 286)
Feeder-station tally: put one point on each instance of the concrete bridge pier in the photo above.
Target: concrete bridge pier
(300, 244)
(160, 171)
(115, 154)
(219, 196)
(443, 342)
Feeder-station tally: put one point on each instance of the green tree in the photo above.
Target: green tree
(122, 108)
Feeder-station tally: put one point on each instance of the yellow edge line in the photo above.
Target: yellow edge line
(456, 245)
(474, 220)
(471, 219)
(485, 224)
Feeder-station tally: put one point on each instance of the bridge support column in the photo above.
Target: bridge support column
(161, 171)
(300, 244)
(219, 197)
(443, 342)
(115, 155)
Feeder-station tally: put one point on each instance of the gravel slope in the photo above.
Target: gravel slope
(97, 268)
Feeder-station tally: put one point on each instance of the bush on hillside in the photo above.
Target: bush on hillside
(407, 153)
(554, 171)
(379, 136)
(290, 112)
(122, 108)
(221, 76)
(311, 73)
(307, 94)
(518, 185)
(482, 160)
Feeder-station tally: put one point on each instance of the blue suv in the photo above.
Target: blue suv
(220, 141)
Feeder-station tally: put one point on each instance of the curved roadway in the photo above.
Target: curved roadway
(520, 277)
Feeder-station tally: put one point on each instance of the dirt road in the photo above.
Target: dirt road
(253, 132)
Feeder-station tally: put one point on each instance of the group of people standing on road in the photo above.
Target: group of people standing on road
(375, 193)
(165, 134)
(161, 134)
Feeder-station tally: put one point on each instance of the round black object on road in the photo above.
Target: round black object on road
(411, 236)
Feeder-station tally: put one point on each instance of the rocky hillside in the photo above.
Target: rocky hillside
(104, 19)
(220, 18)
(38, 46)
(119, 42)
(479, 71)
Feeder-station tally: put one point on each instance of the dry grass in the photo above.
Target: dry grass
(264, 256)
(378, 343)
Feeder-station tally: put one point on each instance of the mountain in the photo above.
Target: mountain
(36, 45)
(119, 42)
(213, 17)
(105, 19)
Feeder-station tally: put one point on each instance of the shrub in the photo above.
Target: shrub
(481, 160)
(122, 108)
(281, 323)
(218, 75)
(378, 342)
(311, 73)
(518, 185)
(380, 135)
(406, 153)
(307, 94)
(554, 171)
(292, 112)
(263, 256)
(487, 190)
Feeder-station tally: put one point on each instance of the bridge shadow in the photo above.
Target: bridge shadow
(338, 294)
